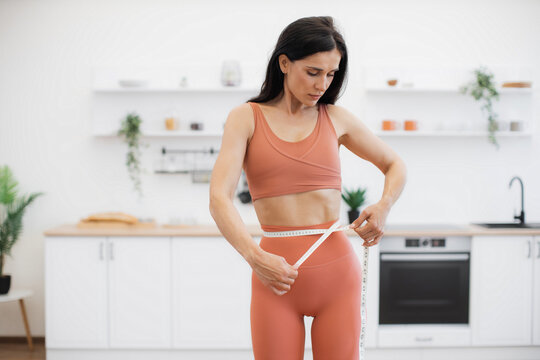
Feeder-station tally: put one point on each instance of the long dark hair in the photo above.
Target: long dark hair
(302, 38)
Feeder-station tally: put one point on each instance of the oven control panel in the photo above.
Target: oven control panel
(425, 242)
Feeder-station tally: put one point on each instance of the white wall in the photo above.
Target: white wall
(48, 50)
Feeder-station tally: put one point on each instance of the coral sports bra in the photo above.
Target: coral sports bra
(274, 166)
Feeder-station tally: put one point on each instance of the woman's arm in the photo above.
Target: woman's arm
(272, 270)
(359, 139)
(224, 180)
(394, 181)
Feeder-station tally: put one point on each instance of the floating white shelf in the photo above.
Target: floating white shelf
(113, 107)
(398, 133)
(249, 90)
(175, 90)
(194, 133)
(444, 90)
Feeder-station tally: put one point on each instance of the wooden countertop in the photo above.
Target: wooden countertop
(255, 230)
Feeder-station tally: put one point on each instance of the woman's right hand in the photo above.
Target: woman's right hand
(274, 272)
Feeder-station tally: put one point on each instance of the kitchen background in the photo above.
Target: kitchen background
(53, 52)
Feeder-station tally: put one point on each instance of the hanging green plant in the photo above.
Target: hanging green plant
(130, 130)
(483, 89)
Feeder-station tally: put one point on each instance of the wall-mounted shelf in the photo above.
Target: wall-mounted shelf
(447, 133)
(204, 105)
(396, 133)
(435, 106)
(173, 134)
(390, 89)
(431, 96)
(176, 90)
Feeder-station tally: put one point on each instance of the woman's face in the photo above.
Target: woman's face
(309, 78)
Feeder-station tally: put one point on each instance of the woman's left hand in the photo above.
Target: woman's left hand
(375, 217)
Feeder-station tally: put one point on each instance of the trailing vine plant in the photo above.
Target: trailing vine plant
(483, 89)
(131, 132)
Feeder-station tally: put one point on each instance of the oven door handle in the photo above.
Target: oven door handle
(423, 257)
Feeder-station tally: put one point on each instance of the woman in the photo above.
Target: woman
(287, 141)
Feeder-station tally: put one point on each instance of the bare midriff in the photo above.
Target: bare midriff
(305, 208)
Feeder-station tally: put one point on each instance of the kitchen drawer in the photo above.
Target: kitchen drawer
(424, 335)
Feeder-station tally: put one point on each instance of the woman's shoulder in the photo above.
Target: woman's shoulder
(346, 122)
(242, 109)
(241, 116)
(339, 116)
(337, 110)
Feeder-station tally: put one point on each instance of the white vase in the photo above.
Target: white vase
(230, 73)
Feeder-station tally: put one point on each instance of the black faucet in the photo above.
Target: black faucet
(521, 217)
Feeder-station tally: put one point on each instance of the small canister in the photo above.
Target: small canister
(389, 125)
(410, 125)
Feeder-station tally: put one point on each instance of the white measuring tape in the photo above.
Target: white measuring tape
(326, 233)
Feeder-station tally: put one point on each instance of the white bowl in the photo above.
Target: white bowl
(132, 83)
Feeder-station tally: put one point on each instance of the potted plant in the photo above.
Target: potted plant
(483, 89)
(130, 130)
(354, 198)
(11, 213)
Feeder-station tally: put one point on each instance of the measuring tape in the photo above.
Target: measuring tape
(326, 233)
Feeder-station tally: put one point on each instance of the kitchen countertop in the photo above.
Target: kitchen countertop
(255, 230)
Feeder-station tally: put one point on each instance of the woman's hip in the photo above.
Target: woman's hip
(336, 245)
(315, 288)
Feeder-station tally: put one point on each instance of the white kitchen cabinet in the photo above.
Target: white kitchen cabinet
(211, 288)
(107, 292)
(501, 290)
(76, 292)
(105, 296)
(536, 291)
(139, 292)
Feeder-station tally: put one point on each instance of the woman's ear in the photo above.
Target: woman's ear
(283, 61)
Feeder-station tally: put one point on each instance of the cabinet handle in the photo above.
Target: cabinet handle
(529, 243)
(101, 250)
(538, 249)
(111, 250)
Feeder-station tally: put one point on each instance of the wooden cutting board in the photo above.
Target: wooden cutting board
(517, 84)
(112, 224)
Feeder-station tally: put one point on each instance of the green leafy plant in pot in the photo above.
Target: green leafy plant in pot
(354, 198)
(483, 89)
(12, 209)
(130, 130)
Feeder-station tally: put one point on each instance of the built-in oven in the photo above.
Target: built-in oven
(424, 280)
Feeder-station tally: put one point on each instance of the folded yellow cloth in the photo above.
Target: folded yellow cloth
(112, 216)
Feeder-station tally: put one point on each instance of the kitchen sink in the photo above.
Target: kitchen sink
(510, 225)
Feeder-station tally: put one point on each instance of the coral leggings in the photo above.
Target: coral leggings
(328, 288)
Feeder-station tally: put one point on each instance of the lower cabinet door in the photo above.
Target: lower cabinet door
(75, 292)
(501, 290)
(139, 292)
(211, 294)
(536, 290)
